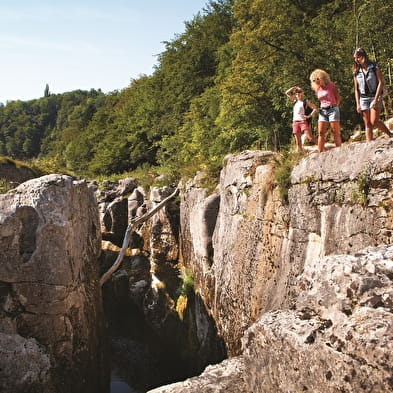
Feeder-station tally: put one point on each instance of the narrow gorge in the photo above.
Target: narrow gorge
(248, 288)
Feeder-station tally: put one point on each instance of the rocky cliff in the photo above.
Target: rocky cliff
(301, 291)
(52, 336)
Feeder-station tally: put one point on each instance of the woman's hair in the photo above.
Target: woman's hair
(321, 75)
(362, 53)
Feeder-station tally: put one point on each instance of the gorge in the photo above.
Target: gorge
(294, 293)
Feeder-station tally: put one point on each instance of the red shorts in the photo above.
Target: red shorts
(299, 126)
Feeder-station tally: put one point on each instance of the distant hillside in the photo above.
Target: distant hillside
(16, 172)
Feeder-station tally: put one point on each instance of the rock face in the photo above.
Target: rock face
(232, 239)
(339, 336)
(51, 318)
(260, 244)
(293, 288)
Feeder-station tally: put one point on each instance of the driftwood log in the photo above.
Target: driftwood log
(127, 236)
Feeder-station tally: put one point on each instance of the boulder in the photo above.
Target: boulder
(50, 297)
(339, 337)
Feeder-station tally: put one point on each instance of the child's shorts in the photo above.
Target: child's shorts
(299, 126)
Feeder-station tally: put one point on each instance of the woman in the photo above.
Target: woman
(300, 118)
(368, 81)
(329, 113)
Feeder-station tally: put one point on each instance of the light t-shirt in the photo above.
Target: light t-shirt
(298, 111)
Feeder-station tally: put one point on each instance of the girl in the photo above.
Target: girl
(300, 123)
(368, 82)
(329, 113)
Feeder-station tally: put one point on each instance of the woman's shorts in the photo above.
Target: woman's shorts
(329, 114)
(299, 126)
(365, 103)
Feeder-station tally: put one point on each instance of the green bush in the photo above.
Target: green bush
(283, 165)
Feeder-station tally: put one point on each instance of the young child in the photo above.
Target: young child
(300, 119)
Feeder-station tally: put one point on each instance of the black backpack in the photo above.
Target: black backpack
(307, 111)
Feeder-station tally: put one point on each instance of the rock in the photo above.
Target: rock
(339, 336)
(115, 220)
(49, 290)
(298, 289)
(226, 377)
(24, 365)
(127, 186)
(259, 244)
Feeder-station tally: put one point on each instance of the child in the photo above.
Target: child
(300, 119)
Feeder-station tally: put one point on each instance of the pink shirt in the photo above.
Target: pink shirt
(326, 95)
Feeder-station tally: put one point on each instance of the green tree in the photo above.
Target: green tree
(46, 92)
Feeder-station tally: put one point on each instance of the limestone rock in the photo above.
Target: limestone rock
(226, 377)
(338, 339)
(50, 294)
(339, 202)
(24, 364)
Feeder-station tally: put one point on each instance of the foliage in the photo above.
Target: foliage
(363, 187)
(5, 186)
(218, 88)
(187, 287)
(283, 165)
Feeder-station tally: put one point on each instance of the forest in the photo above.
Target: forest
(217, 88)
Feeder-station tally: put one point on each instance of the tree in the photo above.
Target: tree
(46, 92)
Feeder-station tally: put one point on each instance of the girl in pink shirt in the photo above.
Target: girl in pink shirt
(329, 113)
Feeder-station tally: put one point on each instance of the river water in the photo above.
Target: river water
(120, 386)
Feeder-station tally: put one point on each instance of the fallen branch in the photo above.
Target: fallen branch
(127, 236)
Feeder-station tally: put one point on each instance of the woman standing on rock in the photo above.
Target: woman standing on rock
(368, 81)
(329, 113)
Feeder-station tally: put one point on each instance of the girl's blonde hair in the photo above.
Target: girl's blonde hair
(322, 76)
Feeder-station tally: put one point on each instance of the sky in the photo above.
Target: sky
(84, 44)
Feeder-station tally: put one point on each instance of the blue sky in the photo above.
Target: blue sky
(83, 44)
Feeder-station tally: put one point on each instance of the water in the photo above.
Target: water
(119, 386)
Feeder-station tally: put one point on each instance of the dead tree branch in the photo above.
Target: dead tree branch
(127, 236)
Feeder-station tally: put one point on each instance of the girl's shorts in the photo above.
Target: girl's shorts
(329, 114)
(365, 103)
(299, 126)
